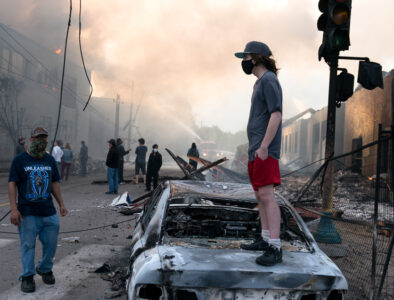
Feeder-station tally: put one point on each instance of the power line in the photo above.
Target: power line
(306, 166)
(80, 50)
(63, 71)
(82, 230)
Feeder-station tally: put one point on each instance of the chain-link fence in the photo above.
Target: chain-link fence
(363, 215)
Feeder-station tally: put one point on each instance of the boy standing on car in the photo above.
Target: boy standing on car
(264, 134)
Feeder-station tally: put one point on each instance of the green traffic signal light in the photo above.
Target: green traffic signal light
(335, 23)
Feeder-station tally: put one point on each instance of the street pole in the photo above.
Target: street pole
(117, 116)
(326, 231)
(129, 130)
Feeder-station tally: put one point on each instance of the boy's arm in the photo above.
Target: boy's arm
(272, 128)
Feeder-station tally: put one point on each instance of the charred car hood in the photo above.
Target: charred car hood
(233, 268)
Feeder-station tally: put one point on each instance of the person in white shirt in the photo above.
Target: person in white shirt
(57, 154)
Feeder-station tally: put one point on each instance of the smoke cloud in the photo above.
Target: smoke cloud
(176, 57)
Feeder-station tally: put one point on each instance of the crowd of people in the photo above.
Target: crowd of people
(115, 164)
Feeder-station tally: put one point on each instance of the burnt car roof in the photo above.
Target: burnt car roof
(220, 190)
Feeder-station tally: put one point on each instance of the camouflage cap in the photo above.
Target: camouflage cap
(38, 131)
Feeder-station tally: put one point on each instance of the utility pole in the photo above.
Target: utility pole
(117, 101)
(129, 129)
(330, 138)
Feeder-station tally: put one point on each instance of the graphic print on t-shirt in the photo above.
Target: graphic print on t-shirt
(39, 177)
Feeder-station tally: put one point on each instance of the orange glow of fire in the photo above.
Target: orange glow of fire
(58, 51)
(370, 178)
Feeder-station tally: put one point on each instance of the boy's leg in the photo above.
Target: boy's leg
(268, 204)
(144, 172)
(48, 237)
(28, 230)
(273, 254)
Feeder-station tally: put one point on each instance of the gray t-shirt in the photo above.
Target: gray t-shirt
(266, 99)
(141, 154)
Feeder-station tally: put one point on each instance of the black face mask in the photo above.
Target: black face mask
(247, 66)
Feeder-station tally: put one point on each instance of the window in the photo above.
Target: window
(315, 135)
(296, 142)
(17, 63)
(5, 61)
(323, 130)
(286, 144)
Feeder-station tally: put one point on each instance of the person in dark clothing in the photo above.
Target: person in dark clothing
(140, 160)
(154, 165)
(21, 147)
(193, 151)
(122, 152)
(83, 158)
(112, 163)
(33, 179)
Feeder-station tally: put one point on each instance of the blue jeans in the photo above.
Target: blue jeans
(112, 175)
(47, 230)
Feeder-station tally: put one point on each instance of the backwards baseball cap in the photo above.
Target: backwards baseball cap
(255, 48)
(38, 131)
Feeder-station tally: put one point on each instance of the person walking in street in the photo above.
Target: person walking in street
(193, 151)
(83, 158)
(34, 177)
(112, 163)
(122, 152)
(264, 134)
(154, 165)
(57, 154)
(67, 160)
(140, 160)
(21, 147)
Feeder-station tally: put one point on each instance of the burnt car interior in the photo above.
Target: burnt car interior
(229, 222)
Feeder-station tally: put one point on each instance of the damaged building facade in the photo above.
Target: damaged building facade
(30, 79)
(357, 121)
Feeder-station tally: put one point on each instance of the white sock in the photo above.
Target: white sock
(265, 233)
(275, 243)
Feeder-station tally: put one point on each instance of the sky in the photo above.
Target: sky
(176, 57)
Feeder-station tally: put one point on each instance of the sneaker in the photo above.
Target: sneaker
(271, 257)
(109, 193)
(47, 277)
(115, 193)
(258, 245)
(28, 285)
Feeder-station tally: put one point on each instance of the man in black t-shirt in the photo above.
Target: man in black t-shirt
(35, 175)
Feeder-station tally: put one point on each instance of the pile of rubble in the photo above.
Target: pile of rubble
(354, 195)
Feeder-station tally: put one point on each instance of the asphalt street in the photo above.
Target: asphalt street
(88, 207)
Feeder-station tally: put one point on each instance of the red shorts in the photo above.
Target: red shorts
(264, 172)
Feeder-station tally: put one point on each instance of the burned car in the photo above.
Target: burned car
(186, 245)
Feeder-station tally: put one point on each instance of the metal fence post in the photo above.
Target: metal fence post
(375, 217)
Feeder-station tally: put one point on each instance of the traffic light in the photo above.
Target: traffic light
(345, 85)
(335, 24)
